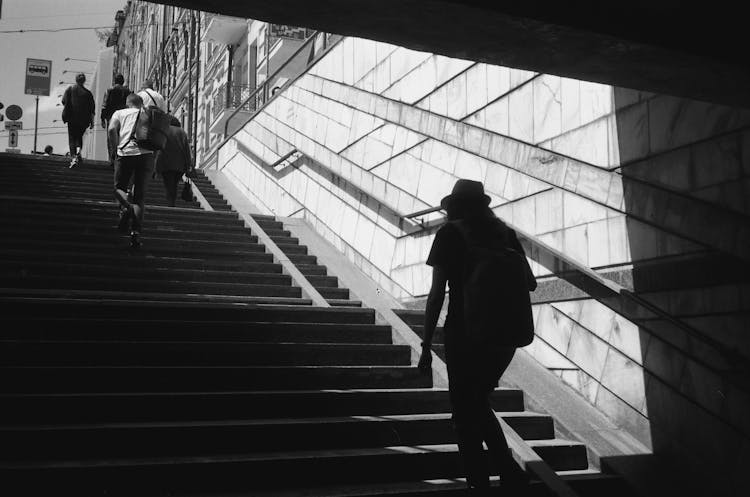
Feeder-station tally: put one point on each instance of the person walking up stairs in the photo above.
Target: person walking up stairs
(131, 161)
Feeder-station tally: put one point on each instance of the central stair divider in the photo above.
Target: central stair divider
(288, 267)
(205, 205)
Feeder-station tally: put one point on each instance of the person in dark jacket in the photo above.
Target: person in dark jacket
(473, 371)
(78, 112)
(175, 160)
(114, 99)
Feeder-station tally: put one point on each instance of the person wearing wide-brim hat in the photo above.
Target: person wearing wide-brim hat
(473, 371)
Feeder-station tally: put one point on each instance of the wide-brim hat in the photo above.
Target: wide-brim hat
(466, 190)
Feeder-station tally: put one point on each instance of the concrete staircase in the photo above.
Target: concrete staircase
(194, 366)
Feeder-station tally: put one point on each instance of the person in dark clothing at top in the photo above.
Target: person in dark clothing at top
(78, 112)
(114, 99)
(175, 160)
(473, 371)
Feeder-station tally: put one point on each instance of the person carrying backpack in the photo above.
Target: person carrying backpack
(132, 159)
(489, 316)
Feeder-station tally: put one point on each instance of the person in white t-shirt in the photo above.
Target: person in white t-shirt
(130, 161)
(151, 97)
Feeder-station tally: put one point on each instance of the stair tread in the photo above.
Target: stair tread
(248, 457)
(261, 421)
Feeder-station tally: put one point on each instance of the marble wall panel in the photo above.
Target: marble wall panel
(587, 351)
(578, 210)
(570, 96)
(497, 116)
(582, 383)
(675, 122)
(521, 114)
(588, 143)
(596, 101)
(549, 212)
(476, 88)
(457, 97)
(576, 245)
(625, 379)
(598, 239)
(554, 328)
(519, 77)
(498, 81)
(547, 110)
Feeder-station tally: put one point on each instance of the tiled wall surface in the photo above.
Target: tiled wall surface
(608, 177)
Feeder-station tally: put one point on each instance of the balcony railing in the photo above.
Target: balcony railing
(235, 97)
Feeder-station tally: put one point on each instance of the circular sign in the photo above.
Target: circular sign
(14, 112)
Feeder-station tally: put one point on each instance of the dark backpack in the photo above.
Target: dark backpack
(151, 128)
(496, 284)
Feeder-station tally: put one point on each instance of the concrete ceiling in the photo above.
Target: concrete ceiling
(663, 46)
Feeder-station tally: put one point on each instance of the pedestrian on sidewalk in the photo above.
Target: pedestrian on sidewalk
(131, 162)
(115, 99)
(489, 316)
(151, 97)
(78, 113)
(175, 160)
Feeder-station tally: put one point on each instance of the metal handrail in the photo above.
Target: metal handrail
(264, 86)
(423, 212)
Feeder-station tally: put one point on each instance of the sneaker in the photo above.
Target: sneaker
(135, 240)
(124, 220)
(73, 162)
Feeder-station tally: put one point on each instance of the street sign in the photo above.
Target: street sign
(13, 150)
(38, 77)
(14, 112)
(13, 125)
(13, 138)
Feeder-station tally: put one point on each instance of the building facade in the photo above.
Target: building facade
(210, 68)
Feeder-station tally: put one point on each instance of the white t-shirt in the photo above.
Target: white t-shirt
(126, 119)
(151, 97)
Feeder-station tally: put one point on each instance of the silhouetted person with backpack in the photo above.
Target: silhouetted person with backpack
(78, 113)
(489, 316)
(131, 160)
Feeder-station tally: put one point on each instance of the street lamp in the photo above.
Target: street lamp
(80, 60)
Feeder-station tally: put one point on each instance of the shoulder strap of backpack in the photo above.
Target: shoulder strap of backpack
(151, 97)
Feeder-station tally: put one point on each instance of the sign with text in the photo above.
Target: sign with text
(13, 125)
(13, 138)
(38, 77)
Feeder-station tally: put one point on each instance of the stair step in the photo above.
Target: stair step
(71, 379)
(82, 328)
(29, 409)
(243, 471)
(141, 260)
(110, 209)
(105, 232)
(202, 353)
(51, 307)
(155, 247)
(38, 269)
(281, 288)
(169, 439)
(333, 293)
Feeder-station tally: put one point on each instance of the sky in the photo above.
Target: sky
(15, 48)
